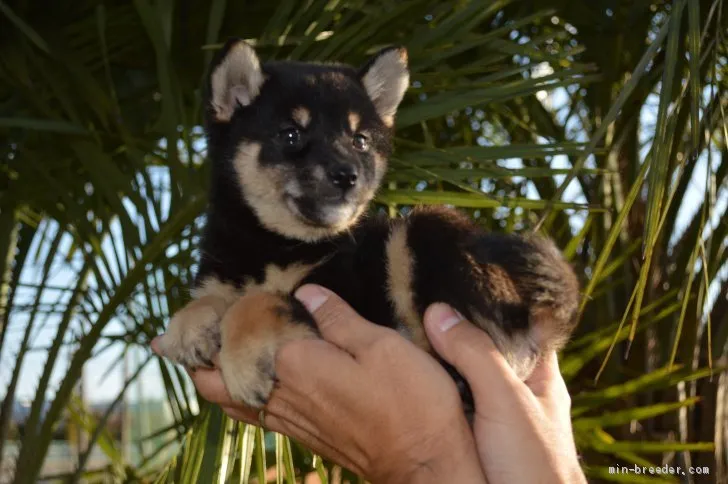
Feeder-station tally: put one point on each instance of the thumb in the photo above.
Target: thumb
(336, 320)
(549, 386)
(471, 351)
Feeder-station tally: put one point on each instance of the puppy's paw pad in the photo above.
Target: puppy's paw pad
(193, 337)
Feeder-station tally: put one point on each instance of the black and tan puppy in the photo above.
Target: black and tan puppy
(298, 151)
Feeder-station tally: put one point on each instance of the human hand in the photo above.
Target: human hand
(363, 397)
(522, 429)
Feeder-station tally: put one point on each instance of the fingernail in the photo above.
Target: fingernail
(312, 296)
(442, 317)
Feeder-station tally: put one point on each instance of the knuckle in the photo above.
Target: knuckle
(289, 355)
(331, 312)
(334, 313)
(291, 359)
(387, 346)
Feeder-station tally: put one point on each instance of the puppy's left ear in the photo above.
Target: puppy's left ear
(386, 78)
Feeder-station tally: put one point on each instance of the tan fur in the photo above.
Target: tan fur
(193, 335)
(354, 120)
(281, 279)
(301, 116)
(336, 80)
(388, 120)
(264, 189)
(500, 284)
(400, 267)
(252, 332)
(212, 286)
(238, 78)
(380, 168)
(293, 188)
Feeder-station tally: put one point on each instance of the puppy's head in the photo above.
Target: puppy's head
(307, 143)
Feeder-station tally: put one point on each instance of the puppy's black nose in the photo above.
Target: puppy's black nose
(343, 176)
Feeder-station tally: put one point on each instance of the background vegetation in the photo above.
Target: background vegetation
(601, 123)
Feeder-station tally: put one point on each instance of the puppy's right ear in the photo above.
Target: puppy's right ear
(235, 79)
(385, 78)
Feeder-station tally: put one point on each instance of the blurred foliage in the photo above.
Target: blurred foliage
(600, 123)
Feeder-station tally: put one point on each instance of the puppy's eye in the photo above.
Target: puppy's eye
(290, 136)
(360, 142)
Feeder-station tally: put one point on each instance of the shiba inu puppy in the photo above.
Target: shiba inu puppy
(298, 151)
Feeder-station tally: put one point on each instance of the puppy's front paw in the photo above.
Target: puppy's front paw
(249, 373)
(253, 330)
(193, 335)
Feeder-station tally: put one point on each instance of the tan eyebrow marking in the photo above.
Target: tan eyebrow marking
(301, 116)
(354, 120)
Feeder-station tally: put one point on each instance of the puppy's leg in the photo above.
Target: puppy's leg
(253, 330)
(193, 335)
(520, 290)
(532, 295)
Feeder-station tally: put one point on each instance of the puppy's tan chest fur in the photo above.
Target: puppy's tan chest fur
(281, 279)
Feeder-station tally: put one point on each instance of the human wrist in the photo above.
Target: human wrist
(450, 466)
(453, 459)
(455, 466)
